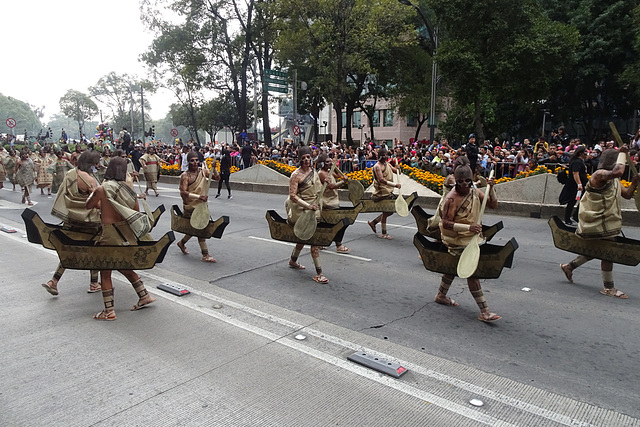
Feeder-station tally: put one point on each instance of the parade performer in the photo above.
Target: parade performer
(117, 201)
(45, 178)
(3, 170)
(304, 186)
(69, 206)
(76, 155)
(25, 176)
(151, 163)
(330, 198)
(10, 164)
(192, 191)
(383, 188)
(447, 186)
(104, 163)
(59, 169)
(459, 216)
(600, 213)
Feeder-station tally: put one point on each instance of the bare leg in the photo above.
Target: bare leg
(384, 234)
(607, 279)
(315, 255)
(441, 296)
(144, 298)
(293, 262)
(205, 251)
(567, 269)
(476, 291)
(109, 312)
(182, 244)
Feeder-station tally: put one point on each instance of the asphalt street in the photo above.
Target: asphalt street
(564, 341)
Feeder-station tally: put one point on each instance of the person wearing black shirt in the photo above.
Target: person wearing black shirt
(246, 152)
(576, 183)
(472, 152)
(135, 156)
(225, 172)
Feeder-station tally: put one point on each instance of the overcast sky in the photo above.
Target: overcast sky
(50, 47)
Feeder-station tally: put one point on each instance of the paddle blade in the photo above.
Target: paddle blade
(200, 216)
(356, 190)
(305, 226)
(401, 206)
(468, 262)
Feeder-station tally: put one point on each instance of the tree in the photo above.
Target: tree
(79, 107)
(217, 114)
(24, 115)
(507, 52)
(341, 43)
(594, 89)
(121, 95)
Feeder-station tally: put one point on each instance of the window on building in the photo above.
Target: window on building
(344, 119)
(388, 118)
(357, 119)
(376, 118)
(412, 121)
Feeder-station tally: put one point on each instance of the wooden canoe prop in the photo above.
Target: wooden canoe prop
(422, 222)
(334, 216)
(401, 204)
(632, 167)
(386, 205)
(470, 256)
(325, 233)
(84, 255)
(181, 224)
(619, 250)
(493, 258)
(201, 216)
(39, 231)
(307, 222)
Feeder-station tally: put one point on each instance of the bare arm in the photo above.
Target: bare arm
(449, 213)
(184, 191)
(293, 191)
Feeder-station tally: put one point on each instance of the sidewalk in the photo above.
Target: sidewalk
(219, 358)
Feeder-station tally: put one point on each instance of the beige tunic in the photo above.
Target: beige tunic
(45, 178)
(467, 213)
(600, 213)
(197, 187)
(69, 205)
(330, 199)
(150, 163)
(308, 190)
(382, 190)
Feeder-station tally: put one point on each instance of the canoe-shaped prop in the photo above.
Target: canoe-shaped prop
(325, 233)
(619, 250)
(85, 255)
(38, 231)
(422, 222)
(493, 258)
(181, 224)
(334, 216)
(386, 205)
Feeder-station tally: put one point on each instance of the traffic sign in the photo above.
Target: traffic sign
(276, 73)
(296, 130)
(174, 132)
(275, 81)
(267, 88)
(11, 123)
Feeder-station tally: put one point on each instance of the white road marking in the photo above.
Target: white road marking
(324, 252)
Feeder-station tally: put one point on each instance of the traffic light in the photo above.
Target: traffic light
(153, 131)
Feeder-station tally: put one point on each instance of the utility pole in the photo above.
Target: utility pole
(295, 100)
(142, 110)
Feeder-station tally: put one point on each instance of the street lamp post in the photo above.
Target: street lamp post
(432, 48)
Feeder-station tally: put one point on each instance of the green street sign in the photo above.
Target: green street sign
(276, 73)
(271, 81)
(280, 89)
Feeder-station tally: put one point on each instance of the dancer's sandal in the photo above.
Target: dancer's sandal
(296, 266)
(568, 272)
(613, 292)
(53, 291)
(492, 318)
(385, 236)
(343, 249)
(321, 279)
(447, 301)
(94, 287)
(148, 298)
(373, 227)
(208, 258)
(105, 315)
(182, 247)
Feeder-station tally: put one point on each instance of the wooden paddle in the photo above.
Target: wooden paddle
(468, 262)
(305, 226)
(355, 187)
(401, 204)
(632, 167)
(200, 216)
(145, 205)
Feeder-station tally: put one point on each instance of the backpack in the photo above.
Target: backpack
(126, 138)
(563, 176)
